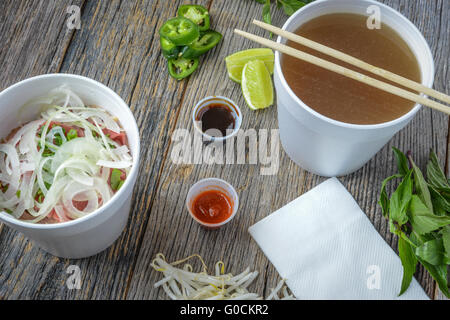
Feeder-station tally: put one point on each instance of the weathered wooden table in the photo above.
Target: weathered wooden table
(118, 45)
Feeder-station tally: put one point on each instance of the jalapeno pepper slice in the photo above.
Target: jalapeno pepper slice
(180, 31)
(206, 42)
(181, 68)
(197, 14)
(168, 48)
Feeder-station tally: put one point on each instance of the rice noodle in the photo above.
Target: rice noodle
(46, 173)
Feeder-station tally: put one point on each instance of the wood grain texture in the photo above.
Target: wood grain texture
(118, 46)
(33, 41)
(179, 236)
(33, 38)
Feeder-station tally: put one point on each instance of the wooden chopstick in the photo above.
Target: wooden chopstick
(354, 61)
(345, 71)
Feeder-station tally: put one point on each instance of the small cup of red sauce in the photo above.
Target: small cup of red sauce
(212, 202)
(217, 118)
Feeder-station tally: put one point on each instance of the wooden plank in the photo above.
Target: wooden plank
(443, 79)
(171, 230)
(117, 45)
(430, 129)
(33, 37)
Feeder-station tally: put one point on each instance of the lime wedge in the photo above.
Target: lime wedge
(236, 62)
(257, 85)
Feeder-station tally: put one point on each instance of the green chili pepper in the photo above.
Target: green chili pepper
(181, 68)
(180, 31)
(197, 14)
(168, 48)
(202, 45)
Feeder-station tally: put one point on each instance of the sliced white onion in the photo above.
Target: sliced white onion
(29, 127)
(74, 190)
(78, 170)
(12, 158)
(114, 164)
(57, 130)
(105, 118)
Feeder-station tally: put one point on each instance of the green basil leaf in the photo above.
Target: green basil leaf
(384, 199)
(440, 204)
(421, 186)
(402, 162)
(266, 14)
(422, 219)
(291, 6)
(393, 228)
(409, 263)
(399, 201)
(435, 174)
(261, 1)
(432, 252)
(439, 274)
(446, 242)
(416, 239)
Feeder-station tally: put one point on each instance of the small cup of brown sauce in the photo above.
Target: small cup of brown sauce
(217, 118)
(212, 202)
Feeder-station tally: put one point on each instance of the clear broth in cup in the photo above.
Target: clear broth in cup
(341, 98)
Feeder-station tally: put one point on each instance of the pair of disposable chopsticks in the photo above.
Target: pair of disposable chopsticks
(407, 83)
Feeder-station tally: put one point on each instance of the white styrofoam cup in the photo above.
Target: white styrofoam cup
(325, 146)
(94, 232)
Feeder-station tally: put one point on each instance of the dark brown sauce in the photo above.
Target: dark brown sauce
(342, 98)
(217, 116)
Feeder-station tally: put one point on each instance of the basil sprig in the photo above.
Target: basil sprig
(419, 214)
(289, 7)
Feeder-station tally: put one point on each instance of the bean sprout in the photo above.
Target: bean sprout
(184, 284)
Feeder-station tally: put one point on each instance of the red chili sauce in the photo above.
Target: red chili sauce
(212, 206)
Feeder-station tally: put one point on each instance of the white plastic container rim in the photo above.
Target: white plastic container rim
(133, 172)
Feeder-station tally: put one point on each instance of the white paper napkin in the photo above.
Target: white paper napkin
(326, 248)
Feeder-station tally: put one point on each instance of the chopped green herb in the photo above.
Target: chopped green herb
(47, 152)
(4, 188)
(58, 141)
(72, 134)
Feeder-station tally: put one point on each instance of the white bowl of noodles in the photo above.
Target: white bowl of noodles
(72, 197)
